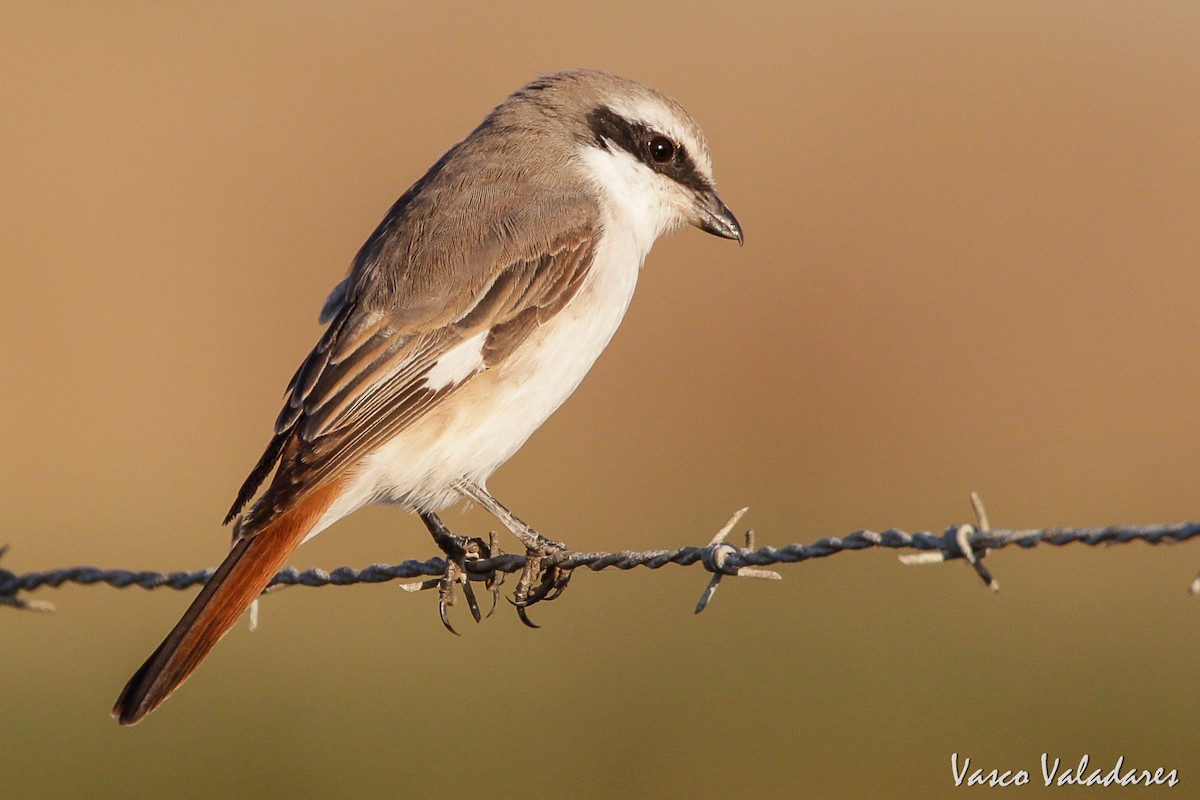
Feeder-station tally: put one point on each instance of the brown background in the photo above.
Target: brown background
(971, 259)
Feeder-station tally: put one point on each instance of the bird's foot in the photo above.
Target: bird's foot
(543, 577)
(540, 580)
(458, 552)
(462, 550)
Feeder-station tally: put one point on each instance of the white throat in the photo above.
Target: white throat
(631, 194)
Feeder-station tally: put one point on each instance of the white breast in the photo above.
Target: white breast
(480, 426)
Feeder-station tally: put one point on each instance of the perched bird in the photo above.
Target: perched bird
(469, 315)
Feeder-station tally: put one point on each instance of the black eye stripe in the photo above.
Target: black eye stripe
(635, 138)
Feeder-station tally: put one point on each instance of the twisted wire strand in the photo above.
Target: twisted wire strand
(971, 542)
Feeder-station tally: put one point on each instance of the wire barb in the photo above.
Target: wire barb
(964, 541)
(716, 558)
(9, 598)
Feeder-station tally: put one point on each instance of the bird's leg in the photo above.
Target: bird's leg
(458, 551)
(551, 581)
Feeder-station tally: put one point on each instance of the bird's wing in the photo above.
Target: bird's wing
(369, 377)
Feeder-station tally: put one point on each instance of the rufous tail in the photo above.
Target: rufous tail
(240, 579)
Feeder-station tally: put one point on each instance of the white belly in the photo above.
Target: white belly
(481, 425)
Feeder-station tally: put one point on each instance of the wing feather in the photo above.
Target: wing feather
(366, 380)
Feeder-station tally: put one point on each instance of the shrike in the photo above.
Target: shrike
(470, 314)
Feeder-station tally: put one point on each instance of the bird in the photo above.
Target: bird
(468, 316)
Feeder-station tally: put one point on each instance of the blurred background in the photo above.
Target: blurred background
(971, 257)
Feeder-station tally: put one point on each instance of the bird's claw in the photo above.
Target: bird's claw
(458, 551)
(538, 581)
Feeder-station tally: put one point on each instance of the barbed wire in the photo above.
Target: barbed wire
(971, 542)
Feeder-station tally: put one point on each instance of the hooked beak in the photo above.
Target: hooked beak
(713, 217)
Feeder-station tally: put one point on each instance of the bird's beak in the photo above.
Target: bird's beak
(713, 217)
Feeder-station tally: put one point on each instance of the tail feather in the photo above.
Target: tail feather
(240, 579)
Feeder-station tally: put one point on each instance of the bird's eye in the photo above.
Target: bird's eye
(661, 149)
